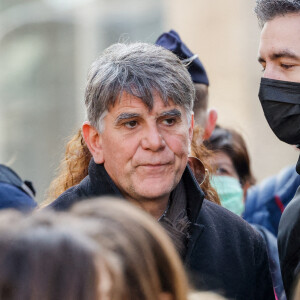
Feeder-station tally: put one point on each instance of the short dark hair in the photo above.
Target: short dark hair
(141, 70)
(267, 10)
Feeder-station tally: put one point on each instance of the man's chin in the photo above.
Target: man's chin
(154, 191)
(153, 187)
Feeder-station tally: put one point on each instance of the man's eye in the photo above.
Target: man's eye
(169, 122)
(131, 124)
(286, 67)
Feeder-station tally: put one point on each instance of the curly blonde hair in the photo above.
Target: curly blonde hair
(72, 169)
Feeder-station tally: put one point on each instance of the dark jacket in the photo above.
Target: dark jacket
(14, 192)
(224, 253)
(266, 201)
(289, 244)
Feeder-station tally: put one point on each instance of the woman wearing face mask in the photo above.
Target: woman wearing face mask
(231, 161)
(231, 179)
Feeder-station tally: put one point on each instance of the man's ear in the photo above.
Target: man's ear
(93, 140)
(212, 116)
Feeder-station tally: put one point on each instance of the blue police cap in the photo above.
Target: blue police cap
(171, 41)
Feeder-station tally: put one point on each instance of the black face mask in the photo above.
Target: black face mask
(280, 101)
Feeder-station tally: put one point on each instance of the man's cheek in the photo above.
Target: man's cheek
(181, 148)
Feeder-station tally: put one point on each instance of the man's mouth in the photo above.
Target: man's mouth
(152, 166)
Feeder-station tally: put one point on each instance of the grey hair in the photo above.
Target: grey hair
(267, 10)
(141, 70)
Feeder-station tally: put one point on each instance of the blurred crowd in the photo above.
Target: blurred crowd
(154, 199)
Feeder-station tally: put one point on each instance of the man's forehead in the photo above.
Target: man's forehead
(128, 102)
(280, 36)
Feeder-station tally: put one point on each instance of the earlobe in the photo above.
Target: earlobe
(93, 140)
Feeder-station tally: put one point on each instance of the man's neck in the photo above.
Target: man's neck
(155, 207)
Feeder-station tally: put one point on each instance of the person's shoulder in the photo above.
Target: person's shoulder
(290, 222)
(212, 209)
(13, 197)
(68, 198)
(294, 206)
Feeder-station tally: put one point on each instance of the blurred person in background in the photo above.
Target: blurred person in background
(146, 262)
(14, 192)
(40, 259)
(104, 250)
(231, 162)
(266, 201)
(139, 100)
(279, 94)
(233, 177)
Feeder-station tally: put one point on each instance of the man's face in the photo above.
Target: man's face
(145, 152)
(279, 50)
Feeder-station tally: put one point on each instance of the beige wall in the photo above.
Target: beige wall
(225, 35)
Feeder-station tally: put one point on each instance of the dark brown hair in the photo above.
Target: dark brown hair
(267, 10)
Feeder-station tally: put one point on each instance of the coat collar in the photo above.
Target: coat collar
(195, 195)
(102, 184)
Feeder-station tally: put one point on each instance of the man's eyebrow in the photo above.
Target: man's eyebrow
(284, 53)
(171, 113)
(126, 116)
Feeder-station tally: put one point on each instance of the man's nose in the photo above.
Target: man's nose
(153, 139)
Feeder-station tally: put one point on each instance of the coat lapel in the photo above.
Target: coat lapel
(196, 231)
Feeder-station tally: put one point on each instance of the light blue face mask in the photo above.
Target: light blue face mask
(230, 192)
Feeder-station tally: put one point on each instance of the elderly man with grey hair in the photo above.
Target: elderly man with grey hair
(279, 55)
(139, 100)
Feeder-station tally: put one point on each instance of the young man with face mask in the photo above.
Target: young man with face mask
(279, 55)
